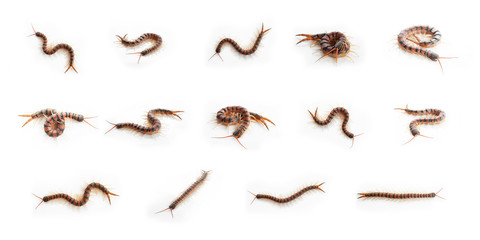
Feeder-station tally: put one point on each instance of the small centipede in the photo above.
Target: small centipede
(438, 116)
(52, 50)
(333, 44)
(54, 125)
(417, 45)
(155, 124)
(237, 115)
(282, 200)
(146, 36)
(237, 47)
(187, 192)
(75, 202)
(335, 111)
(398, 196)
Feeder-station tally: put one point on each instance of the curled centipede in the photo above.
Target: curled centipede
(333, 44)
(435, 116)
(411, 40)
(153, 121)
(52, 50)
(54, 125)
(83, 200)
(237, 47)
(144, 37)
(187, 192)
(283, 200)
(398, 196)
(240, 116)
(338, 110)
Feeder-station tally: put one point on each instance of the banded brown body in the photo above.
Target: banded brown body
(338, 110)
(155, 124)
(398, 196)
(290, 198)
(144, 37)
(436, 116)
(333, 44)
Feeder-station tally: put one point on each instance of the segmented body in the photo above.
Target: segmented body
(54, 125)
(50, 51)
(155, 124)
(84, 199)
(416, 45)
(333, 113)
(291, 197)
(334, 44)
(438, 116)
(237, 115)
(146, 36)
(396, 195)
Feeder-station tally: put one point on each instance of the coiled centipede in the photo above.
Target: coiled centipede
(187, 192)
(398, 196)
(75, 202)
(335, 111)
(237, 47)
(438, 116)
(237, 115)
(152, 120)
(146, 36)
(405, 41)
(54, 125)
(289, 198)
(333, 44)
(52, 50)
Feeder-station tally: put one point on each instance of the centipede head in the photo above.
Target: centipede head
(236, 138)
(114, 126)
(171, 211)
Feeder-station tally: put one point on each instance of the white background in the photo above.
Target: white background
(281, 81)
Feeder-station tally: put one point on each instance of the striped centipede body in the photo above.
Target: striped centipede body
(338, 110)
(283, 200)
(333, 44)
(75, 202)
(187, 192)
(240, 116)
(397, 196)
(436, 116)
(237, 47)
(52, 50)
(144, 37)
(154, 122)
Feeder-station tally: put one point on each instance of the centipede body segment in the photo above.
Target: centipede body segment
(283, 200)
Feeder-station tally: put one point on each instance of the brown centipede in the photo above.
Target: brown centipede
(237, 47)
(54, 125)
(398, 196)
(237, 115)
(75, 202)
(438, 116)
(146, 36)
(282, 200)
(187, 192)
(335, 111)
(333, 44)
(52, 50)
(152, 120)
(405, 41)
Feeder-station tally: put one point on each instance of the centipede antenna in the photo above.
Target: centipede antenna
(40, 201)
(29, 120)
(319, 185)
(415, 137)
(214, 55)
(254, 197)
(353, 139)
(176, 115)
(235, 138)
(89, 124)
(171, 211)
(436, 194)
(114, 126)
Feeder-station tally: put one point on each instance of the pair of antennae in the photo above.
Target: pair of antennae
(236, 138)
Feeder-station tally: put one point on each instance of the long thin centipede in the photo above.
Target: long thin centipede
(290, 198)
(333, 44)
(335, 111)
(155, 123)
(237, 115)
(237, 47)
(187, 192)
(410, 42)
(438, 116)
(75, 202)
(52, 50)
(146, 36)
(54, 125)
(397, 196)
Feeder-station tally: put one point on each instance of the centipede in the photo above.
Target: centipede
(154, 123)
(187, 192)
(340, 111)
(49, 50)
(238, 48)
(436, 116)
(240, 116)
(409, 40)
(76, 202)
(157, 43)
(398, 196)
(54, 125)
(333, 44)
(283, 200)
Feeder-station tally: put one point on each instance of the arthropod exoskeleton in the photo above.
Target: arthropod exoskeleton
(157, 43)
(282, 200)
(333, 44)
(397, 196)
(435, 116)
